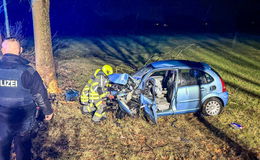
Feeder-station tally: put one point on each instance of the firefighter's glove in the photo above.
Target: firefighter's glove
(111, 97)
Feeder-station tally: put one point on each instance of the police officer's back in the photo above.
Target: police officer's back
(20, 88)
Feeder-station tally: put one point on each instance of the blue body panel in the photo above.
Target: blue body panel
(165, 113)
(150, 108)
(119, 78)
(188, 97)
(223, 96)
(124, 107)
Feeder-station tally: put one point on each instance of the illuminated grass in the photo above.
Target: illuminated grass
(73, 135)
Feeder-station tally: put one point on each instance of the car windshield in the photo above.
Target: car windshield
(139, 74)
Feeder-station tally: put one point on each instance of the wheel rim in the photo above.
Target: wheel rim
(213, 108)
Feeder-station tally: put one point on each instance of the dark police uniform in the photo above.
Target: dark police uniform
(20, 88)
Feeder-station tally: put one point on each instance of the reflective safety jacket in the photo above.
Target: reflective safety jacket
(96, 88)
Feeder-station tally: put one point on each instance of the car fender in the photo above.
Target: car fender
(222, 96)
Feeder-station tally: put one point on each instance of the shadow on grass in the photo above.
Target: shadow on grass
(243, 90)
(150, 49)
(236, 75)
(238, 149)
(221, 52)
(126, 53)
(44, 150)
(122, 56)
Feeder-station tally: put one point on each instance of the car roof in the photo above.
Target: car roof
(180, 63)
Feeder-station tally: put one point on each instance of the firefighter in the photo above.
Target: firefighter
(95, 92)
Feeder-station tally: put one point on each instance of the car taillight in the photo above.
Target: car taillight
(223, 85)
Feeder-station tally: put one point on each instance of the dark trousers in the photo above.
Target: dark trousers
(22, 147)
(15, 126)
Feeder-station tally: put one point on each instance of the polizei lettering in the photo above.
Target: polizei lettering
(8, 83)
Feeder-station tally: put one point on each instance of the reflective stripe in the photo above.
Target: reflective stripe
(86, 87)
(90, 81)
(93, 85)
(96, 72)
(99, 115)
(98, 103)
(108, 85)
(93, 94)
(104, 94)
(85, 90)
(84, 98)
(89, 108)
(94, 98)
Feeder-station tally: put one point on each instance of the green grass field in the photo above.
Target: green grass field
(72, 135)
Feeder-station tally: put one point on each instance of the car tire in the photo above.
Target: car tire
(212, 107)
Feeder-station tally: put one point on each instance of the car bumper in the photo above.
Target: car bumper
(224, 98)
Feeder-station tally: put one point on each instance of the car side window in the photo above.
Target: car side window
(185, 79)
(188, 77)
(204, 78)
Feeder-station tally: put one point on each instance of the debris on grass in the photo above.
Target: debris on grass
(236, 125)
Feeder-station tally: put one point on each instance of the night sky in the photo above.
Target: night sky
(88, 17)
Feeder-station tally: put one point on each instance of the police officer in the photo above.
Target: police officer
(95, 92)
(20, 88)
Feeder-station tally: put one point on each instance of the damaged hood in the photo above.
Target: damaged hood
(118, 78)
(123, 79)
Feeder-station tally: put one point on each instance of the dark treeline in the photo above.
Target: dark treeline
(82, 17)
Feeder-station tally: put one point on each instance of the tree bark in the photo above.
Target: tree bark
(43, 44)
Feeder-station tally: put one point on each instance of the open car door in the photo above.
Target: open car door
(123, 106)
(150, 107)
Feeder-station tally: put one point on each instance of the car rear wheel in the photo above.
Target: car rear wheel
(212, 107)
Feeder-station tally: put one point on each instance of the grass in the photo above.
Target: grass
(72, 135)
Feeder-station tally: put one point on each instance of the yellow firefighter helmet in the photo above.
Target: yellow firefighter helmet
(107, 69)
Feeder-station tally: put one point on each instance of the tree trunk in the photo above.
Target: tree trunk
(43, 45)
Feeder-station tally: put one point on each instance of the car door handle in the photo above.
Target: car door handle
(202, 89)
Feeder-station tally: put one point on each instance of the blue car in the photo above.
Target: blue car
(171, 87)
